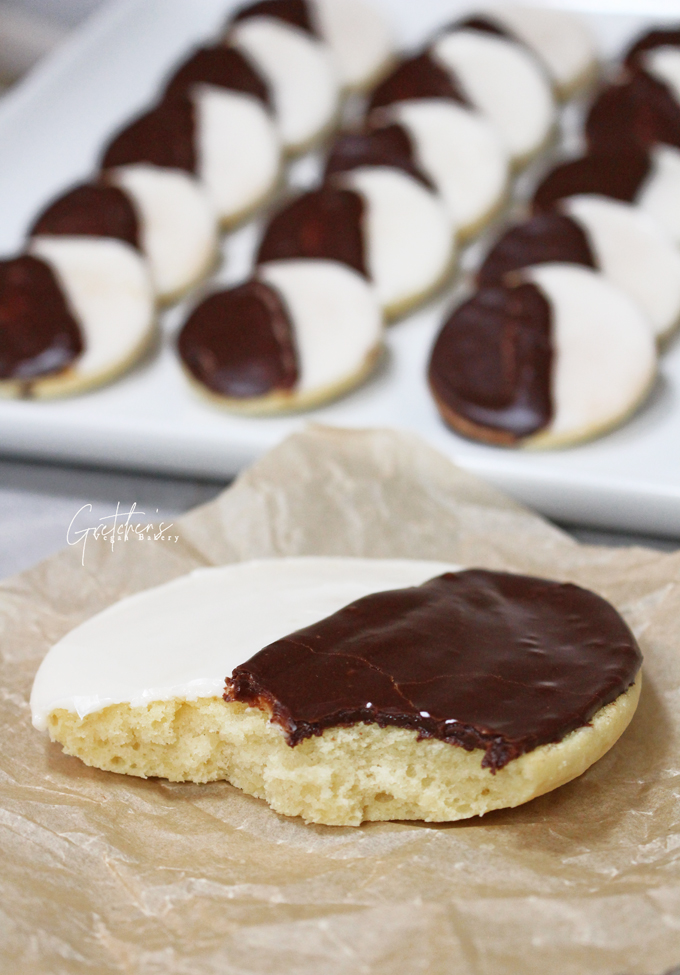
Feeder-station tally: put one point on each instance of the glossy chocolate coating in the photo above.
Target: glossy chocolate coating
(619, 176)
(165, 137)
(478, 659)
(92, 210)
(417, 77)
(38, 334)
(294, 12)
(223, 67)
(325, 223)
(634, 114)
(648, 41)
(490, 369)
(240, 343)
(545, 237)
(388, 146)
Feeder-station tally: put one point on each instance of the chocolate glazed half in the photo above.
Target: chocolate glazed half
(91, 210)
(390, 145)
(294, 12)
(222, 67)
(38, 334)
(240, 343)
(478, 659)
(490, 370)
(164, 137)
(325, 224)
(417, 77)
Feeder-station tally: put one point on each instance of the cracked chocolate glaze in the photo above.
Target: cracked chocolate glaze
(634, 114)
(491, 365)
(222, 67)
(388, 146)
(38, 334)
(648, 41)
(92, 210)
(325, 223)
(545, 237)
(240, 343)
(165, 137)
(619, 176)
(479, 659)
(294, 12)
(417, 77)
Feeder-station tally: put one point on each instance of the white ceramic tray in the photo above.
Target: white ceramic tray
(51, 130)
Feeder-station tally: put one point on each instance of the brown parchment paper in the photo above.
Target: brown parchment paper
(102, 873)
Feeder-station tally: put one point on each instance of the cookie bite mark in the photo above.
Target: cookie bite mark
(240, 343)
(91, 210)
(490, 368)
(547, 237)
(165, 136)
(390, 145)
(482, 660)
(222, 67)
(325, 223)
(39, 335)
(420, 76)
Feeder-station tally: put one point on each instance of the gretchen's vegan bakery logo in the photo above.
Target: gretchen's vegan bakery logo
(121, 526)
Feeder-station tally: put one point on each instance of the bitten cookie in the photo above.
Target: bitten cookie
(76, 312)
(558, 357)
(348, 697)
(300, 333)
(377, 219)
(622, 241)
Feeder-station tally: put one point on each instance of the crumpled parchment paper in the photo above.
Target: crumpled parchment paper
(103, 873)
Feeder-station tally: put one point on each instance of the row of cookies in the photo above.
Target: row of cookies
(558, 344)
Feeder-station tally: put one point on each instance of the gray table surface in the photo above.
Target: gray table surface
(38, 502)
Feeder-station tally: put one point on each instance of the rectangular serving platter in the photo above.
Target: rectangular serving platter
(52, 127)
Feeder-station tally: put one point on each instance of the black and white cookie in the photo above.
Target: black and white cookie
(76, 312)
(557, 357)
(299, 333)
(160, 212)
(278, 38)
(380, 221)
(224, 138)
(622, 241)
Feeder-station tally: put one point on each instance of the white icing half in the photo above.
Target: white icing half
(559, 39)
(359, 37)
(178, 224)
(635, 253)
(663, 63)
(461, 153)
(505, 83)
(604, 351)
(659, 195)
(239, 151)
(182, 639)
(335, 314)
(408, 234)
(108, 288)
(301, 73)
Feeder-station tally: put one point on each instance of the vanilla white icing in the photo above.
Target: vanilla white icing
(239, 152)
(300, 71)
(358, 36)
(178, 224)
(107, 286)
(460, 151)
(182, 639)
(408, 234)
(635, 253)
(604, 351)
(335, 315)
(659, 195)
(505, 83)
(559, 39)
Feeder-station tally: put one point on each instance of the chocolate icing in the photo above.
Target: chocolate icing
(295, 12)
(388, 146)
(545, 237)
(417, 77)
(223, 67)
(650, 40)
(92, 209)
(165, 136)
(38, 334)
(490, 369)
(240, 343)
(478, 659)
(485, 24)
(619, 176)
(325, 223)
(633, 114)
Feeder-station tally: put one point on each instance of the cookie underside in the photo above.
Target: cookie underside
(345, 776)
